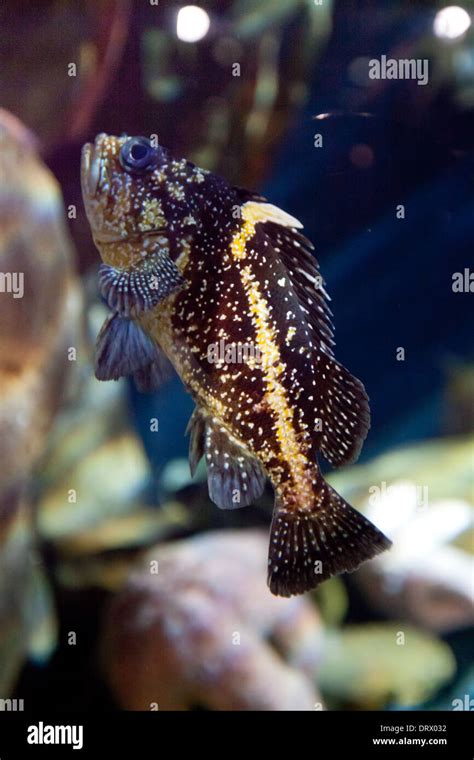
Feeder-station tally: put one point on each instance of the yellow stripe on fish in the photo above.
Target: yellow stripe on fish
(251, 214)
(275, 394)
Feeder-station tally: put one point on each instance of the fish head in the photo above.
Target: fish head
(136, 196)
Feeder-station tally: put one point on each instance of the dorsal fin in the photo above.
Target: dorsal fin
(243, 195)
(295, 251)
(343, 407)
(340, 399)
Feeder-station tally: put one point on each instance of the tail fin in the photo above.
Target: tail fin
(307, 546)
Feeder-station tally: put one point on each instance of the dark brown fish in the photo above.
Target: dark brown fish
(225, 286)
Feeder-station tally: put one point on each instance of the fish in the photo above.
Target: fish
(191, 262)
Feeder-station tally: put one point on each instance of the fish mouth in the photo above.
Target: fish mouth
(90, 170)
(92, 157)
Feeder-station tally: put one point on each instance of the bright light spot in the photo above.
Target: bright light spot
(451, 22)
(192, 23)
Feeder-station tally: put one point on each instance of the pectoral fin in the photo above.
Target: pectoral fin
(235, 477)
(124, 349)
(152, 376)
(140, 289)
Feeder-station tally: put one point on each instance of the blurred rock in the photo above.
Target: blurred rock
(421, 497)
(369, 666)
(104, 483)
(97, 415)
(424, 579)
(40, 306)
(204, 631)
(41, 321)
(332, 601)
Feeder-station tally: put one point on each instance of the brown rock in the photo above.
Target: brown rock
(39, 319)
(205, 631)
(40, 305)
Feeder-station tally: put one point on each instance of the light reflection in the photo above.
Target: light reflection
(451, 22)
(192, 23)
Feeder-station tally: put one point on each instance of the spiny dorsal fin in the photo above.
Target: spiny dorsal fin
(243, 195)
(294, 250)
(342, 401)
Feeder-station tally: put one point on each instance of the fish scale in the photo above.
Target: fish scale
(251, 387)
(191, 263)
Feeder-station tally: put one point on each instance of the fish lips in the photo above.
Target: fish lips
(90, 171)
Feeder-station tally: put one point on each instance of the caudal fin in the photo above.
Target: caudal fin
(310, 545)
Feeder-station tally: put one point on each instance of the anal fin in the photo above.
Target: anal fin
(235, 477)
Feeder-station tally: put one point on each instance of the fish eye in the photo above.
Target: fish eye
(138, 155)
